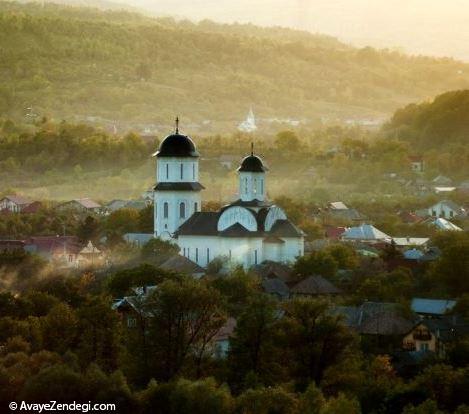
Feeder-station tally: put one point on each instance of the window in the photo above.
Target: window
(245, 186)
(424, 346)
(208, 255)
(184, 251)
(229, 253)
(196, 206)
(451, 213)
(182, 210)
(262, 186)
(182, 171)
(131, 322)
(255, 257)
(254, 187)
(165, 210)
(197, 255)
(434, 213)
(193, 171)
(167, 171)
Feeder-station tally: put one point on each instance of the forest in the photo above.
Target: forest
(68, 63)
(62, 340)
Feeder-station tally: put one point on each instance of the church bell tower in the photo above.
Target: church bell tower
(177, 192)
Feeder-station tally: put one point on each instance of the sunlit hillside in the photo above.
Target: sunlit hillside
(70, 63)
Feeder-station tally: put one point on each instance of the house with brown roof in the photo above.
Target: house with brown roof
(81, 205)
(314, 286)
(181, 264)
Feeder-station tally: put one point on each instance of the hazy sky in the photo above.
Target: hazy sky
(439, 27)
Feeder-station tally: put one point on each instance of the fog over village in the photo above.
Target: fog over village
(234, 207)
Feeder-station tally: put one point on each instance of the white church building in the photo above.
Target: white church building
(247, 231)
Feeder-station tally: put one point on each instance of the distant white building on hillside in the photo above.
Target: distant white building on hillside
(249, 124)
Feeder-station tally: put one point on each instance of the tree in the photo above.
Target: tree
(184, 315)
(253, 347)
(124, 220)
(88, 229)
(317, 263)
(287, 141)
(341, 405)
(312, 339)
(271, 400)
(100, 339)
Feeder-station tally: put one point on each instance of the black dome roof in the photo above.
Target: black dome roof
(177, 145)
(252, 163)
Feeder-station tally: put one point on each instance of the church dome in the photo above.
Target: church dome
(177, 145)
(252, 163)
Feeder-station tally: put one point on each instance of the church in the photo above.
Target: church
(248, 231)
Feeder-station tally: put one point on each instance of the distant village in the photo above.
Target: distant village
(429, 327)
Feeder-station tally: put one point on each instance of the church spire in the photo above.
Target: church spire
(177, 125)
(252, 149)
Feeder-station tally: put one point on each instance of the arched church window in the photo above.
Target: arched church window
(167, 171)
(182, 171)
(182, 210)
(262, 186)
(196, 206)
(208, 255)
(197, 255)
(193, 171)
(245, 185)
(254, 187)
(165, 210)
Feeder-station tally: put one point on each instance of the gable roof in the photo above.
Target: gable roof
(338, 205)
(18, 200)
(201, 223)
(205, 223)
(432, 306)
(375, 318)
(276, 286)
(365, 232)
(315, 285)
(182, 264)
(271, 269)
(52, 244)
(447, 328)
(444, 224)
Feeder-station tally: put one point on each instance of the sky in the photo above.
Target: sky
(431, 27)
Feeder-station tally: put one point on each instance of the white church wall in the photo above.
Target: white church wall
(174, 170)
(167, 224)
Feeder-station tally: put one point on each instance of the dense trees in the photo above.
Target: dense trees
(123, 65)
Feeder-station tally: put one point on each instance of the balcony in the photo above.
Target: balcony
(422, 336)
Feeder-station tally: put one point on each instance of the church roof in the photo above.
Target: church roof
(204, 223)
(252, 163)
(177, 145)
(179, 186)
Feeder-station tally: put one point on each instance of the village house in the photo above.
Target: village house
(366, 233)
(81, 205)
(64, 251)
(434, 335)
(433, 308)
(276, 287)
(446, 209)
(376, 319)
(416, 163)
(314, 286)
(14, 203)
(181, 264)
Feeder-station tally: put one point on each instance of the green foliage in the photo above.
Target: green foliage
(317, 263)
(123, 65)
(433, 124)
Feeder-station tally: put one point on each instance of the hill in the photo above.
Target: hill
(434, 124)
(72, 62)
